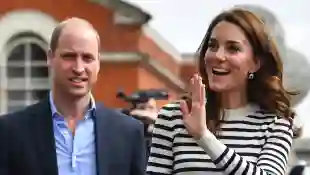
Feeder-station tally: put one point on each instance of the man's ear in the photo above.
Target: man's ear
(50, 55)
(99, 55)
(99, 61)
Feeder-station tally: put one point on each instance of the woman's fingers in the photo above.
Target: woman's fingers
(197, 89)
(184, 108)
(202, 94)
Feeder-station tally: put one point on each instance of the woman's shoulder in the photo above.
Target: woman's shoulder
(272, 116)
(273, 120)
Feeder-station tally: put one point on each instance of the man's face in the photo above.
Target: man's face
(75, 62)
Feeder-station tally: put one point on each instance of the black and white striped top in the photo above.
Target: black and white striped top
(250, 142)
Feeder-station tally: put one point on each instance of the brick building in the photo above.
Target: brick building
(133, 55)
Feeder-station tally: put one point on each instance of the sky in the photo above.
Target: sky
(183, 23)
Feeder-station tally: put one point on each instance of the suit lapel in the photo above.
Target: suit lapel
(44, 137)
(103, 138)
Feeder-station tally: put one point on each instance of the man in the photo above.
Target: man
(68, 133)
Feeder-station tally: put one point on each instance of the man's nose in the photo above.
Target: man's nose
(79, 66)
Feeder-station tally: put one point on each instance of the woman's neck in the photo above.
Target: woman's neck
(234, 99)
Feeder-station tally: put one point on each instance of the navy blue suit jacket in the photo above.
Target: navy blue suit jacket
(28, 145)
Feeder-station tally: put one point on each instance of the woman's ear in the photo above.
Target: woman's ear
(257, 65)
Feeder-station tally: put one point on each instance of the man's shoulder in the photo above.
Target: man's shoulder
(120, 117)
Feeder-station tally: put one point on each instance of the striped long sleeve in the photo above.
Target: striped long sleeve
(250, 143)
(272, 159)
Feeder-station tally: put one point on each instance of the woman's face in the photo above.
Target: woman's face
(229, 58)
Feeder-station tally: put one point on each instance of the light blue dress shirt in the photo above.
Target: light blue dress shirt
(75, 154)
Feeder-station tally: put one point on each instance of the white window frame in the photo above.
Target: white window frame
(26, 83)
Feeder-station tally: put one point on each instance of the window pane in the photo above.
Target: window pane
(39, 72)
(17, 83)
(15, 72)
(17, 54)
(37, 53)
(16, 95)
(39, 94)
(40, 83)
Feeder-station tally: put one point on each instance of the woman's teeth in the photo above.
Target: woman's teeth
(219, 71)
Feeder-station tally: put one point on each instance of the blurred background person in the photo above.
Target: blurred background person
(143, 106)
(147, 113)
(301, 168)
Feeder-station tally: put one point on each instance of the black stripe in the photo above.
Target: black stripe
(177, 144)
(161, 156)
(163, 127)
(259, 138)
(288, 125)
(244, 129)
(220, 158)
(261, 117)
(246, 170)
(271, 160)
(236, 145)
(268, 165)
(246, 122)
(164, 117)
(159, 165)
(178, 126)
(236, 168)
(176, 153)
(279, 145)
(196, 169)
(193, 160)
(273, 155)
(275, 150)
(163, 137)
(156, 145)
(231, 159)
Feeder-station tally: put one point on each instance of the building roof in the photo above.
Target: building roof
(132, 13)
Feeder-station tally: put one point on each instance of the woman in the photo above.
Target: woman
(245, 126)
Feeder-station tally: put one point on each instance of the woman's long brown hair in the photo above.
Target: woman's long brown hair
(266, 89)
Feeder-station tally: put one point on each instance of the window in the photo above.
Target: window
(27, 72)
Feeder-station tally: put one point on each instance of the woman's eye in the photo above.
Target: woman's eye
(212, 46)
(233, 49)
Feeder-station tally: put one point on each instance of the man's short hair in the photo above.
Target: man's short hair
(57, 32)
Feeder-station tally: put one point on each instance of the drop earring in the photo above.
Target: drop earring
(251, 75)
